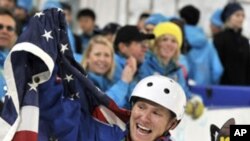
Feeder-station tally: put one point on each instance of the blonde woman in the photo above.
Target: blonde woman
(165, 55)
(98, 61)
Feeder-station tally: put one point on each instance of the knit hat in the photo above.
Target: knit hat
(229, 10)
(216, 18)
(169, 28)
(190, 14)
(154, 19)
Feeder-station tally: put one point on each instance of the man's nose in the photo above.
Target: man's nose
(146, 116)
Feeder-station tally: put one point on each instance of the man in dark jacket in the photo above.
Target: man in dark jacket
(233, 47)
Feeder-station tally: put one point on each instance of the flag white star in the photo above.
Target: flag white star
(71, 98)
(64, 48)
(77, 95)
(74, 96)
(5, 88)
(33, 86)
(39, 14)
(59, 9)
(69, 78)
(47, 35)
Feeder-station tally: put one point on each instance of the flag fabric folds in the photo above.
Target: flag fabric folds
(48, 94)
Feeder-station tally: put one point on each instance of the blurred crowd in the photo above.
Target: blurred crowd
(117, 57)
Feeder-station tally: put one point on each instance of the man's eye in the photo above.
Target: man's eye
(141, 106)
(157, 113)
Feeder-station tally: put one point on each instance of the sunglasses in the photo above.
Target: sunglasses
(9, 28)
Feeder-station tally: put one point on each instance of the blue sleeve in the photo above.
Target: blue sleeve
(118, 92)
(2, 84)
(217, 68)
(145, 70)
(183, 61)
(182, 81)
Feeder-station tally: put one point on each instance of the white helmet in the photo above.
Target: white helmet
(163, 91)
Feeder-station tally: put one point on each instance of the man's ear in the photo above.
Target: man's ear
(174, 124)
(122, 48)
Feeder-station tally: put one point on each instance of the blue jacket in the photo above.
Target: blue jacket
(116, 90)
(204, 63)
(183, 62)
(152, 66)
(3, 55)
(120, 63)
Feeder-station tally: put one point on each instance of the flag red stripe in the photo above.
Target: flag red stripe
(25, 136)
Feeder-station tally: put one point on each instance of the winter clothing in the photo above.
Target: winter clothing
(120, 64)
(152, 66)
(216, 18)
(234, 52)
(184, 65)
(204, 63)
(155, 19)
(3, 55)
(229, 10)
(169, 28)
(115, 90)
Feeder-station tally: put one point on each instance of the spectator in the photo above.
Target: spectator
(8, 33)
(205, 67)
(100, 64)
(8, 36)
(233, 47)
(164, 61)
(164, 58)
(150, 24)
(86, 19)
(129, 44)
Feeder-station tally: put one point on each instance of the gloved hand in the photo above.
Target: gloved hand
(195, 107)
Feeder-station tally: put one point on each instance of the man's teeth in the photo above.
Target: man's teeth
(144, 128)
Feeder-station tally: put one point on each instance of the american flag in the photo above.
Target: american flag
(48, 94)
